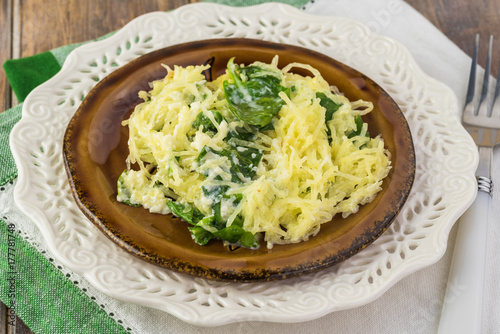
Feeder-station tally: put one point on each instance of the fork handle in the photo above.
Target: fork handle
(463, 302)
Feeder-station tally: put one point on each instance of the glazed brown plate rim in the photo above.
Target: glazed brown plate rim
(218, 262)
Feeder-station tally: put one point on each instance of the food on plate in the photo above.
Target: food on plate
(257, 153)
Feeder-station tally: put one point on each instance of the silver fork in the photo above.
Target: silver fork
(463, 302)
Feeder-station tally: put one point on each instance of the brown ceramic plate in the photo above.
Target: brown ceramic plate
(95, 149)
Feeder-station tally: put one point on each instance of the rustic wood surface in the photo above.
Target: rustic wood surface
(29, 27)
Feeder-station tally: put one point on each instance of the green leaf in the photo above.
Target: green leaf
(200, 235)
(240, 133)
(359, 128)
(203, 153)
(242, 160)
(250, 155)
(214, 191)
(248, 240)
(256, 100)
(329, 105)
(330, 108)
(208, 224)
(185, 211)
(206, 122)
(231, 234)
(218, 221)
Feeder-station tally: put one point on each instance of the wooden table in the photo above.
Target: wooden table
(33, 26)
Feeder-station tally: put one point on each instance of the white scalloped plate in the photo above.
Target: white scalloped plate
(444, 186)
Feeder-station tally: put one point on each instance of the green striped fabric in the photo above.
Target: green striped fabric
(41, 295)
(8, 170)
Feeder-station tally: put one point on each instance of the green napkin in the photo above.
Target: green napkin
(30, 285)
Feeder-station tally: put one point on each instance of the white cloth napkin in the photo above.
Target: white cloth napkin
(414, 304)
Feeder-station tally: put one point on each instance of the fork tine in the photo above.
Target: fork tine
(495, 108)
(485, 102)
(482, 105)
(472, 77)
(487, 70)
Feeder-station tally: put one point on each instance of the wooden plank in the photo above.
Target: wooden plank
(3, 318)
(18, 327)
(52, 23)
(5, 51)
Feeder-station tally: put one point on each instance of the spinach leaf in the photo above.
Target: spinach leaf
(255, 100)
(270, 126)
(214, 191)
(207, 228)
(200, 235)
(185, 211)
(203, 120)
(249, 155)
(208, 224)
(243, 160)
(248, 240)
(359, 127)
(329, 105)
(231, 234)
(240, 133)
(203, 153)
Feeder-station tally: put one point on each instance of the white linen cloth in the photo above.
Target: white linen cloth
(414, 304)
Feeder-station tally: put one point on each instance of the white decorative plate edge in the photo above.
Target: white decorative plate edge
(444, 187)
